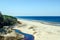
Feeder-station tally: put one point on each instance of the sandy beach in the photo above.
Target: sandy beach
(39, 30)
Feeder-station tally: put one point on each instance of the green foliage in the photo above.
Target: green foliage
(9, 20)
(1, 20)
(6, 20)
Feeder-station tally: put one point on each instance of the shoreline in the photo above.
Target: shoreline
(39, 30)
(43, 22)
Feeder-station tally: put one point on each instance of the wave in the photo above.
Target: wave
(43, 22)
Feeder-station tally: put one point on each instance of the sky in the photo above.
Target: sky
(30, 7)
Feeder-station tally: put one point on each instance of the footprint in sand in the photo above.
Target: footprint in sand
(33, 29)
(34, 32)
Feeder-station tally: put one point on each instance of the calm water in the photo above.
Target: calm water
(43, 18)
(26, 36)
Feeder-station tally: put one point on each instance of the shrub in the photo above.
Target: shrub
(6, 20)
(9, 20)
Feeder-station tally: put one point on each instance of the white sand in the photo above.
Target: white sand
(39, 30)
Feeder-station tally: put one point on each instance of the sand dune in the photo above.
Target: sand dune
(40, 30)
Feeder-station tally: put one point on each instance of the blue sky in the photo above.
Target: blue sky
(30, 7)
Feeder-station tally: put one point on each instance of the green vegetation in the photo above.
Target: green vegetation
(9, 20)
(6, 20)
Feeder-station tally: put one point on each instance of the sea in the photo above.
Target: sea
(42, 18)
